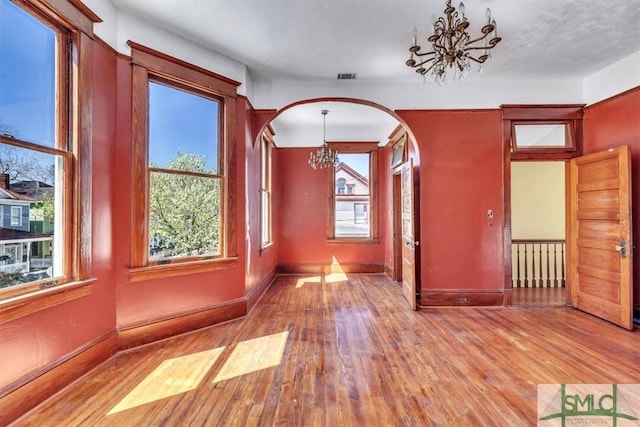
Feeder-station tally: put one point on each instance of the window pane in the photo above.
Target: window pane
(542, 135)
(184, 217)
(182, 123)
(31, 239)
(27, 85)
(352, 199)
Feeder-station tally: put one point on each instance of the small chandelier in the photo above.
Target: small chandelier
(324, 156)
(452, 47)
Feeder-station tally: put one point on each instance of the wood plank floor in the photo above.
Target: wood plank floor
(346, 351)
(539, 297)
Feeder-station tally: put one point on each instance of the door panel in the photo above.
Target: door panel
(599, 235)
(408, 232)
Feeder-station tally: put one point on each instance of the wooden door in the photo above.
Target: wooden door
(408, 241)
(600, 249)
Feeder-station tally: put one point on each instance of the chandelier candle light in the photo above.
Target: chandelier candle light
(451, 46)
(324, 156)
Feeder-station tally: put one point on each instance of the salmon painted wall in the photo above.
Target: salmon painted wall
(35, 341)
(302, 208)
(155, 300)
(260, 263)
(461, 166)
(612, 123)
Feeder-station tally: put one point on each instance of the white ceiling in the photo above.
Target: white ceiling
(314, 40)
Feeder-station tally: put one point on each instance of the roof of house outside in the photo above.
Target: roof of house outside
(12, 195)
(353, 173)
(36, 190)
(7, 234)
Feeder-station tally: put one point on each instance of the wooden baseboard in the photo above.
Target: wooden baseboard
(461, 297)
(25, 394)
(508, 297)
(255, 294)
(312, 268)
(130, 336)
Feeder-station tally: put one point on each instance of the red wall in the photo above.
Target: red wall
(461, 166)
(37, 340)
(260, 264)
(154, 300)
(612, 123)
(302, 209)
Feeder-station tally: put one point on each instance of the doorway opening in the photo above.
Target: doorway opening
(538, 238)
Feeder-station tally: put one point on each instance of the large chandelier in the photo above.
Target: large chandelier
(451, 47)
(324, 156)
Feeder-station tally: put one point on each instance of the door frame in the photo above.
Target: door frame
(561, 113)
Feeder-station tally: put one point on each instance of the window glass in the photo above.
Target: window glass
(27, 87)
(265, 190)
(352, 195)
(181, 122)
(184, 189)
(32, 162)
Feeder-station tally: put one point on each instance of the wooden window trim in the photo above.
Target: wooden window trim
(268, 145)
(364, 147)
(150, 65)
(571, 114)
(74, 131)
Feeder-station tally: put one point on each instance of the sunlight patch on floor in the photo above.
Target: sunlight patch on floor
(337, 275)
(172, 377)
(254, 355)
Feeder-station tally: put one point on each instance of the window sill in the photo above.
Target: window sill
(352, 241)
(32, 302)
(265, 247)
(158, 271)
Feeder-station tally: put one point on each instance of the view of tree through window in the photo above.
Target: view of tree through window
(31, 162)
(352, 195)
(184, 186)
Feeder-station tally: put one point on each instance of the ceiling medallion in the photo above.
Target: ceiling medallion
(451, 47)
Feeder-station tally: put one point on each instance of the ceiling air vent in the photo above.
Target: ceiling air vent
(347, 76)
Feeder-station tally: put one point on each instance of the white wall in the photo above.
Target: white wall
(616, 78)
(119, 26)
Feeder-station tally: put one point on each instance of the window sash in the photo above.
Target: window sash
(150, 65)
(354, 147)
(266, 191)
(73, 80)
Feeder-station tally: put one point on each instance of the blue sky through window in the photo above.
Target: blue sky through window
(181, 122)
(27, 76)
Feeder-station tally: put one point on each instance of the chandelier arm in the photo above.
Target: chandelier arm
(479, 39)
(424, 54)
(479, 61)
(423, 62)
(479, 48)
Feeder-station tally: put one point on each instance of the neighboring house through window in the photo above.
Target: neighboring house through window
(353, 203)
(44, 131)
(16, 216)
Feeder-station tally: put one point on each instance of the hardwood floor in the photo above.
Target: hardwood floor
(539, 297)
(348, 352)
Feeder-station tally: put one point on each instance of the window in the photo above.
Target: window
(266, 191)
(16, 216)
(353, 199)
(183, 127)
(44, 132)
(543, 132)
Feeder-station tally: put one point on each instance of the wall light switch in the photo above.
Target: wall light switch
(490, 213)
